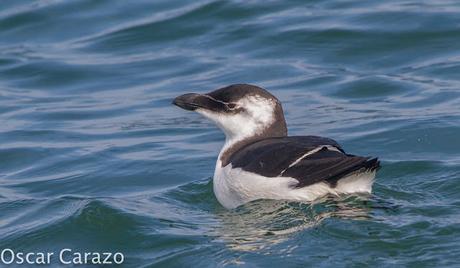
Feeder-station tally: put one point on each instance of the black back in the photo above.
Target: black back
(273, 157)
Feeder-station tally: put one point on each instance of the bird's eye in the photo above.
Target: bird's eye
(231, 105)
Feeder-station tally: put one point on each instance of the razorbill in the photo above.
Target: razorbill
(259, 160)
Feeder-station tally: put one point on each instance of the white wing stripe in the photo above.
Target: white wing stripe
(317, 149)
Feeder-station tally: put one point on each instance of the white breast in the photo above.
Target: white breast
(234, 186)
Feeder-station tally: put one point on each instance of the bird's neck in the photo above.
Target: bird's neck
(232, 145)
(235, 143)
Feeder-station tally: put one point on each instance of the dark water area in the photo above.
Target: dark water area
(94, 157)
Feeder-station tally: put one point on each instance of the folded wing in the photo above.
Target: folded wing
(308, 159)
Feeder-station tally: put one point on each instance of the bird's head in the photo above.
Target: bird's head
(241, 111)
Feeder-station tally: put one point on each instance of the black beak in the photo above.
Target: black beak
(189, 101)
(193, 101)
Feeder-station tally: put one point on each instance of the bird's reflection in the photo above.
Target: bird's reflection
(264, 223)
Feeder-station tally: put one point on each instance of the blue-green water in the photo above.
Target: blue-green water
(93, 156)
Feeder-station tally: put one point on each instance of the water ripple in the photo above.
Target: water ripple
(93, 155)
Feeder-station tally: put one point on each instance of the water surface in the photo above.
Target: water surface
(94, 157)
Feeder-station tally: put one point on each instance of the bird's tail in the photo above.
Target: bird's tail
(373, 164)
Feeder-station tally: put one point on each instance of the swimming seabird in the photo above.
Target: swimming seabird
(259, 160)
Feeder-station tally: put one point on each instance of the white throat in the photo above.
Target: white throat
(258, 115)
